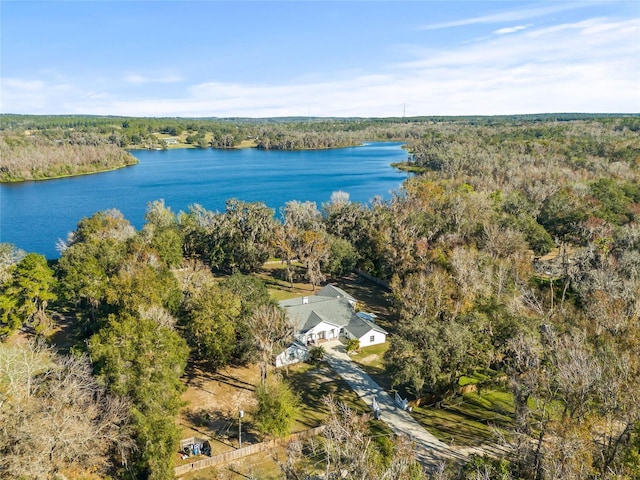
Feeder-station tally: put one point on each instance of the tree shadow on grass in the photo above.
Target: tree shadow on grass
(197, 373)
(313, 384)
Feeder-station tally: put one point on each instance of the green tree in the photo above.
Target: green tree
(209, 324)
(108, 224)
(316, 354)
(342, 257)
(242, 236)
(613, 203)
(162, 233)
(277, 408)
(138, 359)
(83, 271)
(26, 294)
(93, 253)
(197, 227)
(141, 283)
(253, 294)
(563, 213)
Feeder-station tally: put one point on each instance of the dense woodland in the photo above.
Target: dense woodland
(37, 147)
(513, 258)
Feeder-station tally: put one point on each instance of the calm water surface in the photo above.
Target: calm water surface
(33, 215)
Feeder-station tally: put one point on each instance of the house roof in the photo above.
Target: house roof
(359, 327)
(334, 292)
(336, 311)
(316, 319)
(333, 307)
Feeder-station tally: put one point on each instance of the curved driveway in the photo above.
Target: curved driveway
(429, 450)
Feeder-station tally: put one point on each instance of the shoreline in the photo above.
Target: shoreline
(57, 177)
(406, 167)
(180, 146)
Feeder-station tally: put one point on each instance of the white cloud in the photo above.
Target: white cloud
(501, 17)
(21, 85)
(138, 79)
(18, 95)
(585, 66)
(517, 28)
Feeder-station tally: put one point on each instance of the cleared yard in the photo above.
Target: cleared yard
(213, 399)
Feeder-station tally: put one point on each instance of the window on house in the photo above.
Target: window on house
(372, 338)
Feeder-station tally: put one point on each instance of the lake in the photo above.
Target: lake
(34, 215)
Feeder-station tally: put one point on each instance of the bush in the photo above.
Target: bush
(277, 408)
(316, 355)
(353, 345)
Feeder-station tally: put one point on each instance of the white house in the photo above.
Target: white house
(326, 316)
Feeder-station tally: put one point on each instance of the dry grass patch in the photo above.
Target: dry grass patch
(212, 402)
(213, 399)
(273, 273)
(260, 465)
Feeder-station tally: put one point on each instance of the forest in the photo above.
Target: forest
(513, 259)
(35, 147)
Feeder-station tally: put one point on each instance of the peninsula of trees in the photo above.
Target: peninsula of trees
(513, 262)
(40, 147)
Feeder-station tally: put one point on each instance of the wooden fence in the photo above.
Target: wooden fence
(226, 457)
(373, 279)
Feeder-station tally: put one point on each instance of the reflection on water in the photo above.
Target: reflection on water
(34, 215)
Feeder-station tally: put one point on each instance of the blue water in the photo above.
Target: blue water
(33, 215)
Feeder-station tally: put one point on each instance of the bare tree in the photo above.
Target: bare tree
(271, 330)
(284, 241)
(54, 416)
(348, 451)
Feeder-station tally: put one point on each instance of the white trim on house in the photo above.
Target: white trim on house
(294, 353)
(326, 316)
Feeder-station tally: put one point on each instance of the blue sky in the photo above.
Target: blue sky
(330, 58)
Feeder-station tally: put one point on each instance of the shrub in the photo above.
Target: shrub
(353, 345)
(277, 408)
(316, 354)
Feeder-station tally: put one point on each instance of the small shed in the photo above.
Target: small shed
(294, 353)
(195, 446)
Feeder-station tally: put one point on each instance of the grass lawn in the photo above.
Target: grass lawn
(469, 419)
(312, 383)
(273, 273)
(260, 465)
(247, 144)
(213, 399)
(370, 359)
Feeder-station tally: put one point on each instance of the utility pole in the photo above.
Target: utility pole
(240, 415)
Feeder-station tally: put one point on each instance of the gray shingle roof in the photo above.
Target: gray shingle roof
(359, 327)
(330, 308)
(305, 316)
(334, 292)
